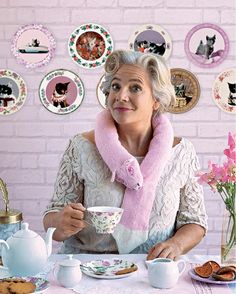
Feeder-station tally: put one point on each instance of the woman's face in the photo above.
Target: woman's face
(130, 99)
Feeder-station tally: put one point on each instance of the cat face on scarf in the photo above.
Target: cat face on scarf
(130, 99)
(62, 88)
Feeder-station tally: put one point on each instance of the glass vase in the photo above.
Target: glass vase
(228, 239)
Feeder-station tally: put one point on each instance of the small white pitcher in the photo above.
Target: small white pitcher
(164, 272)
(67, 272)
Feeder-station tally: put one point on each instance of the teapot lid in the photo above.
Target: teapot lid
(70, 261)
(25, 232)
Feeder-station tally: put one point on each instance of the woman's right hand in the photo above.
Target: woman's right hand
(70, 220)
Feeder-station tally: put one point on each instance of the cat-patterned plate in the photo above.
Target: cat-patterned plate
(187, 90)
(33, 45)
(13, 92)
(100, 95)
(61, 91)
(206, 45)
(224, 90)
(90, 45)
(151, 38)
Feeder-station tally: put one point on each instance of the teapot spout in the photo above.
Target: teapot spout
(48, 240)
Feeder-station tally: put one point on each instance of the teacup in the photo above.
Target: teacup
(104, 218)
(164, 272)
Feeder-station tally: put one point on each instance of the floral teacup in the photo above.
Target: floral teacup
(104, 218)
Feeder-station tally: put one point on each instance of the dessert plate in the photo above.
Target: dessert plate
(208, 280)
(41, 284)
(109, 268)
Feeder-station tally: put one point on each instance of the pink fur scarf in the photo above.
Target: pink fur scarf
(140, 180)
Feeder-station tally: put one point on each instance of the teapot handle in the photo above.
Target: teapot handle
(183, 266)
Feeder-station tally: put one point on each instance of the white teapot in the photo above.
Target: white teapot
(164, 272)
(25, 253)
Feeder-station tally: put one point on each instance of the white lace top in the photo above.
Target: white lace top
(84, 177)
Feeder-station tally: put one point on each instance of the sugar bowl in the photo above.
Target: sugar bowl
(67, 272)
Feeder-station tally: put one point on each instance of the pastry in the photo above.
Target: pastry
(205, 270)
(128, 270)
(225, 273)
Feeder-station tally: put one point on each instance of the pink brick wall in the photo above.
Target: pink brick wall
(33, 139)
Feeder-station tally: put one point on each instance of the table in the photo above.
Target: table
(138, 282)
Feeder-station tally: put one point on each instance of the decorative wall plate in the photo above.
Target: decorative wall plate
(61, 91)
(206, 45)
(13, 92)
(151, 38)
(187, 90)
(90, 45)
(100, 95)
(33, 45)
(224, 90)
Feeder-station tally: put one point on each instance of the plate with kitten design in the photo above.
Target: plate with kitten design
(61, 91)
(13, 92)
(151, 38)
(187, 90)
(224, 90)
(206, 45)
(33, 45)
(89, 45)
(100, 95)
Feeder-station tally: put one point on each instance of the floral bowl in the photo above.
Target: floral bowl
(104, 218)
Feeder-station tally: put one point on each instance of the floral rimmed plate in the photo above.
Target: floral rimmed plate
(206, 45)
(187, 90)
(33, 45)
(13, 92)
(41, 284)
(61, 91)
(151, 38)
(90, 45)
(208, 280)
(224, 90)
(100, 95)
(109, 269)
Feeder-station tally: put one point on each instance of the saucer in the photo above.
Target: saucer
(109, 268)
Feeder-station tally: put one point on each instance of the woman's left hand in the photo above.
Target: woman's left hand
(167, 249)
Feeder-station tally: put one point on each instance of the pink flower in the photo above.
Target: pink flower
(231, 151)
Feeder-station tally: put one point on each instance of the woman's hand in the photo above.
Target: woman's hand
(69, 221)
(168, 249)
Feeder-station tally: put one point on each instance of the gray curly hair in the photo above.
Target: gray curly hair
(159, 73)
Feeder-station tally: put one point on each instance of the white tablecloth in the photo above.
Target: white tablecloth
(137, 283)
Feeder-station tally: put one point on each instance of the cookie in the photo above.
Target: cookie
(22, 288)
(128, 270)
(4, 288)
(16, 286)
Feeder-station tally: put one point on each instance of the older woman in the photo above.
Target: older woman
(133, 161)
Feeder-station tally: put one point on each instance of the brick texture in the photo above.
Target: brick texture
(33, 140)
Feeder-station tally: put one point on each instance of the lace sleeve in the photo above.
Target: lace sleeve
(192, 208)
(68, 187)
